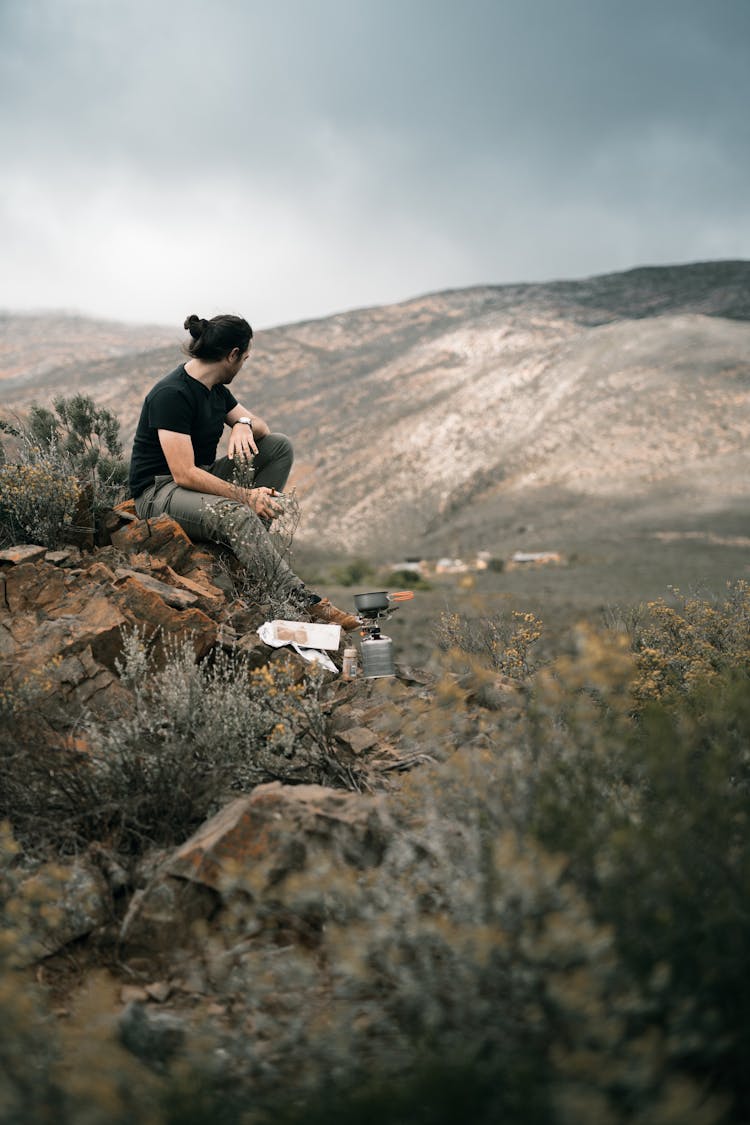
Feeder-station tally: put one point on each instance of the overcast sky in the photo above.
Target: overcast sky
(286, 159)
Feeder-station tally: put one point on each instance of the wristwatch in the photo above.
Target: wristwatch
(246, 421)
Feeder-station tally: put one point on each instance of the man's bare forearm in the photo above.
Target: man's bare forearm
(198, 480)
(260, 500)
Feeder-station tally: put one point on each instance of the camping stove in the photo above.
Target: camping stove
(377, 649)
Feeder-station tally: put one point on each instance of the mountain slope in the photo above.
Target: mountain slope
(441, 422)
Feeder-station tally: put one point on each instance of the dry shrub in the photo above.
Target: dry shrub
(195, 733)
(38, 501)
(503, 642)
(689, 641)
(67, 469)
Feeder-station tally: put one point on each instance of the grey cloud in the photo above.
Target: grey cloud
(474, 141)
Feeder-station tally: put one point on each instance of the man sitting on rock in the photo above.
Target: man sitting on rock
(174, 470)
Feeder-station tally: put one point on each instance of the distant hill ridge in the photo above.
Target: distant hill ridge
(439, 419)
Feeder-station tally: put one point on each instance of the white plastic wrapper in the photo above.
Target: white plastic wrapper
(315, 656)
(304, 633)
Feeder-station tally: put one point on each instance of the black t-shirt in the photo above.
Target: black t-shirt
(180, 403)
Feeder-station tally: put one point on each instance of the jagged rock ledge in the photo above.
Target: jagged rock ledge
(63, 615)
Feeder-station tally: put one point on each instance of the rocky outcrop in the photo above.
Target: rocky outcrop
(251, 847)
(63, 614)
(63, 617)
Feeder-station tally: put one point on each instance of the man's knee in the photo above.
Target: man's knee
(276, 447)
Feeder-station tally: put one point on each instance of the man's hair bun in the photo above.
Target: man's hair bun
(196, 325)
(216, 338)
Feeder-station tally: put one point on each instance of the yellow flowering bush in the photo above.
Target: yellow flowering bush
(691, 641)
(38, 502)
(504, 643)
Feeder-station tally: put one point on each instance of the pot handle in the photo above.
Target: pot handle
(401, 596)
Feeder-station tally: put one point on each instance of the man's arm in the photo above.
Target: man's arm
(178, 450)
(243, 438)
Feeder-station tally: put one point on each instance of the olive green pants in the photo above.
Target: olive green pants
(230, 522)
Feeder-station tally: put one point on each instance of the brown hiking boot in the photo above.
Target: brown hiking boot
(328, 614)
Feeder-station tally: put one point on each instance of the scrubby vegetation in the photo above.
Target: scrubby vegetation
(558, 931)
(62, 469)
(195, 735)
(502, 641)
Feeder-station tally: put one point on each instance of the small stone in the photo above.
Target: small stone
(385, 718)
(58, 558)
(133, 993)
(358, 739)
(159, 991)
(153, 1037)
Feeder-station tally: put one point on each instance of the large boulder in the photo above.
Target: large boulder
(276, 829)
(251, 848)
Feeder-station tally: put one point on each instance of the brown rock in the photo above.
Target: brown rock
(114, 519)
(80, 681)
(98, 571)
(23, 553)
(385, 717)
(143, 607)
(162, 537)
(62, 630)
(252, 845)
(179, 599)
(32, 586)
(86, 619)
(67, 557)
(245, 619)
(126, 509)
(358, 739)
(159, 991)
(252, 649)
(209, 597)
(270, 834)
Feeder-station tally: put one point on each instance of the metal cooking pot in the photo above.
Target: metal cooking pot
(381, 599)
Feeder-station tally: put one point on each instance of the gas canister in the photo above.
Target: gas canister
(377, 657)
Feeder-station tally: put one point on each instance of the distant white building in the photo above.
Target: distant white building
(535, 558)
(451, 566)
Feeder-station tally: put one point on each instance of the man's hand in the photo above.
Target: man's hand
(261, 500)
(241, 442)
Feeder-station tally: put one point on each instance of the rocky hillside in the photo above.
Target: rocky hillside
(443, 422)
(235, 891)
(64, 616)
